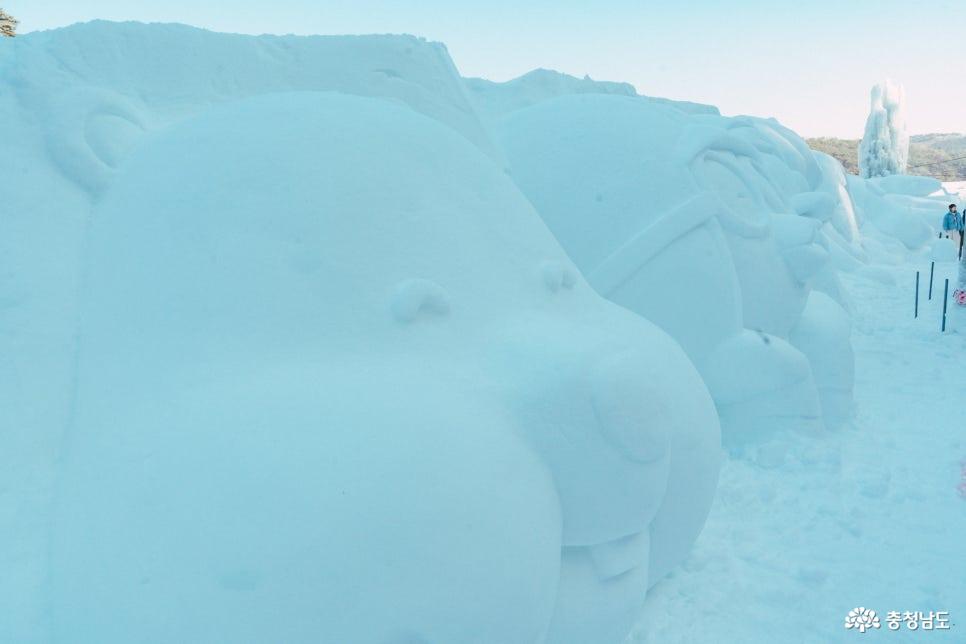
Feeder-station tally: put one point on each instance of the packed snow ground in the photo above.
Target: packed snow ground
(869, 516)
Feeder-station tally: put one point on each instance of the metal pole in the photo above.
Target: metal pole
(917, 294)
(945, 300)
(932, 271)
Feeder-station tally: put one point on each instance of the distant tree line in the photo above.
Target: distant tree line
(932, 155)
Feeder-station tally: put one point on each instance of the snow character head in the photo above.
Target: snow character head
(707, 226)
(337, 382)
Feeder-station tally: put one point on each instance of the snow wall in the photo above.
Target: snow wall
(312, 339)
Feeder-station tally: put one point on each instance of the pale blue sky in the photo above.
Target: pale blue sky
(809, 63)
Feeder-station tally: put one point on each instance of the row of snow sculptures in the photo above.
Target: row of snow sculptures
(884, 149)
(8, 24)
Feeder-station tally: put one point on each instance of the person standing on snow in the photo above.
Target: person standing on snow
(953, 224)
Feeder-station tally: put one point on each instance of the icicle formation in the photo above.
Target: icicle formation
(8, 24)
(884, 149)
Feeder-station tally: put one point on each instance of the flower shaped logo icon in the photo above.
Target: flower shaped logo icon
(861, 619)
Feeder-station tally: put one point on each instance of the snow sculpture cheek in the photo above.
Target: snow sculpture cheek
(629, 434)
(632, 418)
(588, 416)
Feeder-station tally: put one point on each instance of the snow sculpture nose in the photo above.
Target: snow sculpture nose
(632, 414)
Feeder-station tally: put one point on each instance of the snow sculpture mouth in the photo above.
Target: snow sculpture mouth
(620, 556)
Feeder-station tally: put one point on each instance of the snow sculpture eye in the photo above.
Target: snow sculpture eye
(632, 416)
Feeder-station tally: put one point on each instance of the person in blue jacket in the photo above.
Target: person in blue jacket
(953, 224)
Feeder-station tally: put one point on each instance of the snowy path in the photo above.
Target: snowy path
(866, 516)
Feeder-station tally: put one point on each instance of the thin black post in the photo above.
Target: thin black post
(917, 294)
(945, 300)
(932, 271)
(962, 233)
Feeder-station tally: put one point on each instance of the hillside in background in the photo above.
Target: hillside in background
(929, 154)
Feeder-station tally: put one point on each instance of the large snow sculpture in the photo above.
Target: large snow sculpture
(693, 222)
(337, 382)
(884, 149)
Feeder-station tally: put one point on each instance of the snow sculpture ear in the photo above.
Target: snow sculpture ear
(89, 134)
(556, 275)
(415, 297)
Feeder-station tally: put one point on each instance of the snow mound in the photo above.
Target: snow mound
(343, 379)
(896, 216)
(904, 184)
